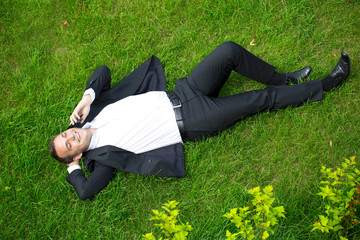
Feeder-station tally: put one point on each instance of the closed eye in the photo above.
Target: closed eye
(67, 145)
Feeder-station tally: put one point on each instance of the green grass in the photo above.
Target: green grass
(44, 68)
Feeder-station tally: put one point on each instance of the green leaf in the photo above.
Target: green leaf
(280, 210)
(254, 190)
(174, 213)
(149, 236)
(325, 191)
(323, 220)
(251, 236)
(231, 214)
(265, 234)
(317, 226)
(268, 189)
(171, 204)
(180, 235)
(231, 236)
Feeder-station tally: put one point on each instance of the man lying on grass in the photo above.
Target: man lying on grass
(137, 127)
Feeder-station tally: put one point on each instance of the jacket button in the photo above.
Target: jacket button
(149, 160)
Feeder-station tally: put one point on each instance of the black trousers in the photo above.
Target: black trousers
(205, 114)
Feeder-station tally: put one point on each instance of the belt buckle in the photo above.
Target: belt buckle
(176, 103)
(177, 106)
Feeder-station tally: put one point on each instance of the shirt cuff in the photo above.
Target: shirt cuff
(91, 92)
(73, 167)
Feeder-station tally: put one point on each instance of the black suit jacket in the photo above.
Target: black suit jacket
(101, 162)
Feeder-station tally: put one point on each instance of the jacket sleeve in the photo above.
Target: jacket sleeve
(100, 80)
(87, 187)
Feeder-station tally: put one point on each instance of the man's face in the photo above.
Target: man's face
(73, 141)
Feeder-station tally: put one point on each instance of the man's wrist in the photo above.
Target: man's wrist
(89, 93)
(73, 168)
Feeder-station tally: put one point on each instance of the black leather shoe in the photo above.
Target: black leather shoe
(294, 77)
(341, 71)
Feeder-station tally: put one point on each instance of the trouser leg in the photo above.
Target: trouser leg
(212, 72)
(204, 116)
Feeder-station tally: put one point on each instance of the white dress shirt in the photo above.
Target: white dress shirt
(138, 124)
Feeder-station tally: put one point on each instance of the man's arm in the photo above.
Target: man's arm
(88, 187)
(81, 110)
(100, 80)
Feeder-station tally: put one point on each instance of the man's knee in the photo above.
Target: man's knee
(229, 51)
(103, 69)
(230, 46)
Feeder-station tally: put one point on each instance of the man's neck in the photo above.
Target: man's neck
(92, 130)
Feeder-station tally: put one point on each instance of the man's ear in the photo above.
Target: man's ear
(77, 156)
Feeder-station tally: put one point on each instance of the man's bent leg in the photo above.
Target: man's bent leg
(205, 116)
(211, 73)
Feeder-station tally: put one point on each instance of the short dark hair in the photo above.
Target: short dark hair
(65, 160)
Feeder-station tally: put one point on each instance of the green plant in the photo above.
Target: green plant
(168, 223)
(341, 193)
(257, 220)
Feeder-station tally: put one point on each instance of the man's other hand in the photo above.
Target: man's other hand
(81, 110)
(75, 162)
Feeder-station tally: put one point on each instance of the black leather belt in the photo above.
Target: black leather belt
(175, 101)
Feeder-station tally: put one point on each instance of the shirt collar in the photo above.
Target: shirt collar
(94, 140)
